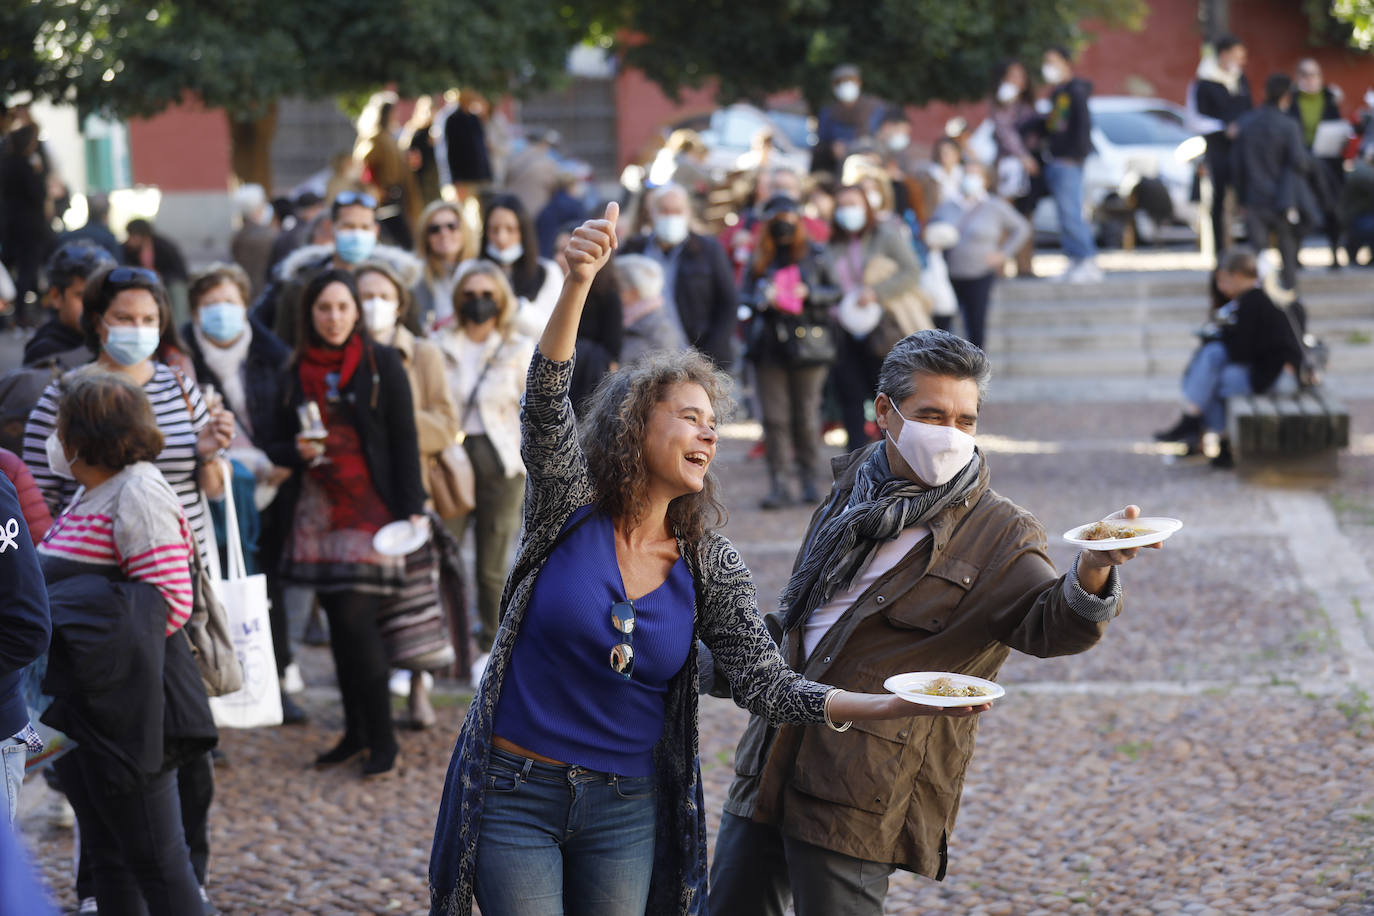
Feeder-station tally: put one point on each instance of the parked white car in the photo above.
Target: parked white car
(1133, 138)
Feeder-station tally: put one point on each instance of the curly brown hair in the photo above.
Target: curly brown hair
(613, 431)
(104, 419)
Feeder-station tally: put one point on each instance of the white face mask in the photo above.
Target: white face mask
(380, 315)
(1052, 74)
(1007, 93)
(671, 228)
(505, 255)
(875, 200)
(898, 142)
(57, 458)
(847, 91)
(851, 218)
(973, 186)
(935, 453)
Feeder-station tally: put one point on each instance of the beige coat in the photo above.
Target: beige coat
(436, 416)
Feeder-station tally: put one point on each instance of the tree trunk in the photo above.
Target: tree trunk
(251, 147)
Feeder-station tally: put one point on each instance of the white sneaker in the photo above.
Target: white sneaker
(291, 680)
(1086, 271)
(478, 667)
(400, 683)
(88, 905)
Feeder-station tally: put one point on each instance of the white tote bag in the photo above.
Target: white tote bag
(245, 598)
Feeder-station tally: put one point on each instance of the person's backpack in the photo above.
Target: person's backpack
(21, 388)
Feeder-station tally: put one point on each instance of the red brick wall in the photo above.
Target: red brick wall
(186, 148)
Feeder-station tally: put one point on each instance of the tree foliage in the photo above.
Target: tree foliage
(1342, 22)
(912, 51)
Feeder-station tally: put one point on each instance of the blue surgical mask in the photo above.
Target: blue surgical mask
(354, 245)
(222, 322)
(131, 346)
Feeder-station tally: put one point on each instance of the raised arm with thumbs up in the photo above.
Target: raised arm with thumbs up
(588, 251)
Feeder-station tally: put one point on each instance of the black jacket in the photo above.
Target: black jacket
(1330, 110)
(55, 339)
(1260, 335)
(1215, 100)
(770, 328)
(262, 376)
(705, 294)
(1267, 160)
(1069, 125)
(24, 625)
(120, 687)
(380, 403)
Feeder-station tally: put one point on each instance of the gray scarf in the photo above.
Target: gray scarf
(880, 506)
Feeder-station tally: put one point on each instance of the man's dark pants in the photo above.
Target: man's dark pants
(1258, 226)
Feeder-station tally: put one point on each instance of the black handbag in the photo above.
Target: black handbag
(807, 344)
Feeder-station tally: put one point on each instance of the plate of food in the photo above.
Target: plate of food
(1122, 533)
(401, 538)
(943, 688)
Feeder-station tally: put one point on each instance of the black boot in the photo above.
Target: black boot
(1187, 429)
(809, 494)
(381, 732)
(778, 495)
(354, 741)
(1224, 458)
(291, 712)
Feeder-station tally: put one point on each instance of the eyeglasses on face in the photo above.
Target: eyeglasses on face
(623, 653)
(436, 228)
(354, 199)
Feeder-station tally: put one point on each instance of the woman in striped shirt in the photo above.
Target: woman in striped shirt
(126, 524)
(127, 319)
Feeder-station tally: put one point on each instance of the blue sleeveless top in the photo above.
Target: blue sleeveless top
(561, 697)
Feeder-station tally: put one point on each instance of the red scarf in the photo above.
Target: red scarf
(319, 361)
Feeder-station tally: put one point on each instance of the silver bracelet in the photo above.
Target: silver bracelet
(826, 708)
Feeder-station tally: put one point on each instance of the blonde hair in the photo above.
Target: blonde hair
(422, 235)
(505, 296)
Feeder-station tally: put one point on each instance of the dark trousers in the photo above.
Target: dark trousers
(791, 402)
(361, 663)
(496, 523)
(855, 380)
(134, 839)
(1219, 167)
(1258, 226)
(757, 871)
(973, 296)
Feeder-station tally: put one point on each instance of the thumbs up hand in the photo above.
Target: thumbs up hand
(591, 245)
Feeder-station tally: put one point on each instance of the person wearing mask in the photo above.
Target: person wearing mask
(486, 357)
(647, 329)
(352, 220)
(384, 170)
(364, 475)
(619, 569)
(508, 241)
(990, 234)
(699, 290)
(1251, 348)
(1269, 166)
(842, 124)
(97, 226)
(1018, 131)
(387, 305)
(1314, 102)
(863, 247)
(24, 633)
(1222, 93)
(60, 341)
(251, 246)
(913, 564)
(790, 289)
(124, 778)
(242, 360)
(443, 245)
(532, 174)
(1068, 142)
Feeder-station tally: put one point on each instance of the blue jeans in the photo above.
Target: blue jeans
(1210, 380)
(1066, 185)
(563, 839)
(134, 839)
(13, 754)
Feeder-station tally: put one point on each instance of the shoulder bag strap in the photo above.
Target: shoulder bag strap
(477, 386)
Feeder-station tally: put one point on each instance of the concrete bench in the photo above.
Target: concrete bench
(1300, 432)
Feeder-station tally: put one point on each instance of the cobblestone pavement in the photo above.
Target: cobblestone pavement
(1212, 755)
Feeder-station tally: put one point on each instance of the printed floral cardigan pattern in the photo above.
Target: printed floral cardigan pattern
(727, 621)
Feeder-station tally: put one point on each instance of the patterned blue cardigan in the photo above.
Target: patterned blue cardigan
(727, 621)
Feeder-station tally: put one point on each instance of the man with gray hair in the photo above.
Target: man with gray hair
(913, 563)
(699, 292)
(647, 326)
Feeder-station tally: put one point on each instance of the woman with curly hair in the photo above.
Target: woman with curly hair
(574, 786)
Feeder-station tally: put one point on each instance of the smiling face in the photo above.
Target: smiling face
(334, 314)
(941, 400)
(680, 441)
(444, 233)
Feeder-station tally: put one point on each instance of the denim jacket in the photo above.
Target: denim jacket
(727, 621)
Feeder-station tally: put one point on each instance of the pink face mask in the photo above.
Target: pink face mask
(935, 453)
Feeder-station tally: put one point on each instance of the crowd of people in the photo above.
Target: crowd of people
(446, 309)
